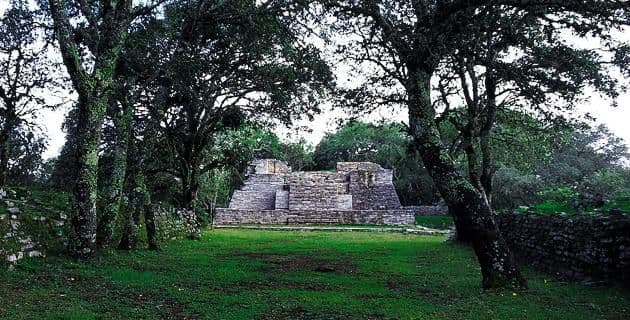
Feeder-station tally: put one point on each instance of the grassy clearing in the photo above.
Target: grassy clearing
(237, 274)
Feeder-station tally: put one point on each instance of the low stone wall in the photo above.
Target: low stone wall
(372, 217)
(583, 247)
(174, 223)
(28, 229)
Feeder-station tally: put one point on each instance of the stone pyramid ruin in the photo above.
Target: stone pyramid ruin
(356, 193)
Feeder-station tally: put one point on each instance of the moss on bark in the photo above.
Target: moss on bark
(471, 212)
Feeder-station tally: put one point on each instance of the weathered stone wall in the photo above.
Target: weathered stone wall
(372, 194)
(176, 223)
(346, 167)
(374, 217)
(258, 192)
(315, 190)
(583, 247)
(243, 216)
(355, 185)
(28, 228)
(265, 200)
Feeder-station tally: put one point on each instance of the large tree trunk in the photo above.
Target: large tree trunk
(113, 195)
(139, 199)
(90, 119)
(470, 210)
(141, 205)
(94, 90)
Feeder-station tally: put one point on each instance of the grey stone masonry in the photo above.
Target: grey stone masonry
(581, 247)
(315, 190)
(358, 193)
(283, 216)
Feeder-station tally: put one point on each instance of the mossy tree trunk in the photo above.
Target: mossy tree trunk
(471, 212)
(84, 193)
(114, 190)
(131, 219)
(94, 90)
(144, 207)
(139, 194)
(144, 149)
(141, 205)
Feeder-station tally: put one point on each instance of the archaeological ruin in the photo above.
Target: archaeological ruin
(356, 193)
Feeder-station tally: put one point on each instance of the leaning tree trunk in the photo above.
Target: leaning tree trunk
(470, 210)
(469, 140)
(114, 189)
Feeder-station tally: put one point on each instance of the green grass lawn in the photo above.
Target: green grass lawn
(246, 274)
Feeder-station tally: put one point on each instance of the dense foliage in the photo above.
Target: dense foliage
(386, 144)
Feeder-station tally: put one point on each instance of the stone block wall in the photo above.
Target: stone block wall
(372, 217)
(265, 200)
(249, 216)
(346, 167)
(282, 200)
(361, 217)
(258, 192)
(373, 190)
(582, 247)
(315, 190)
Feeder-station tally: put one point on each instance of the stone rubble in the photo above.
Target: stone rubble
(16, 239)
